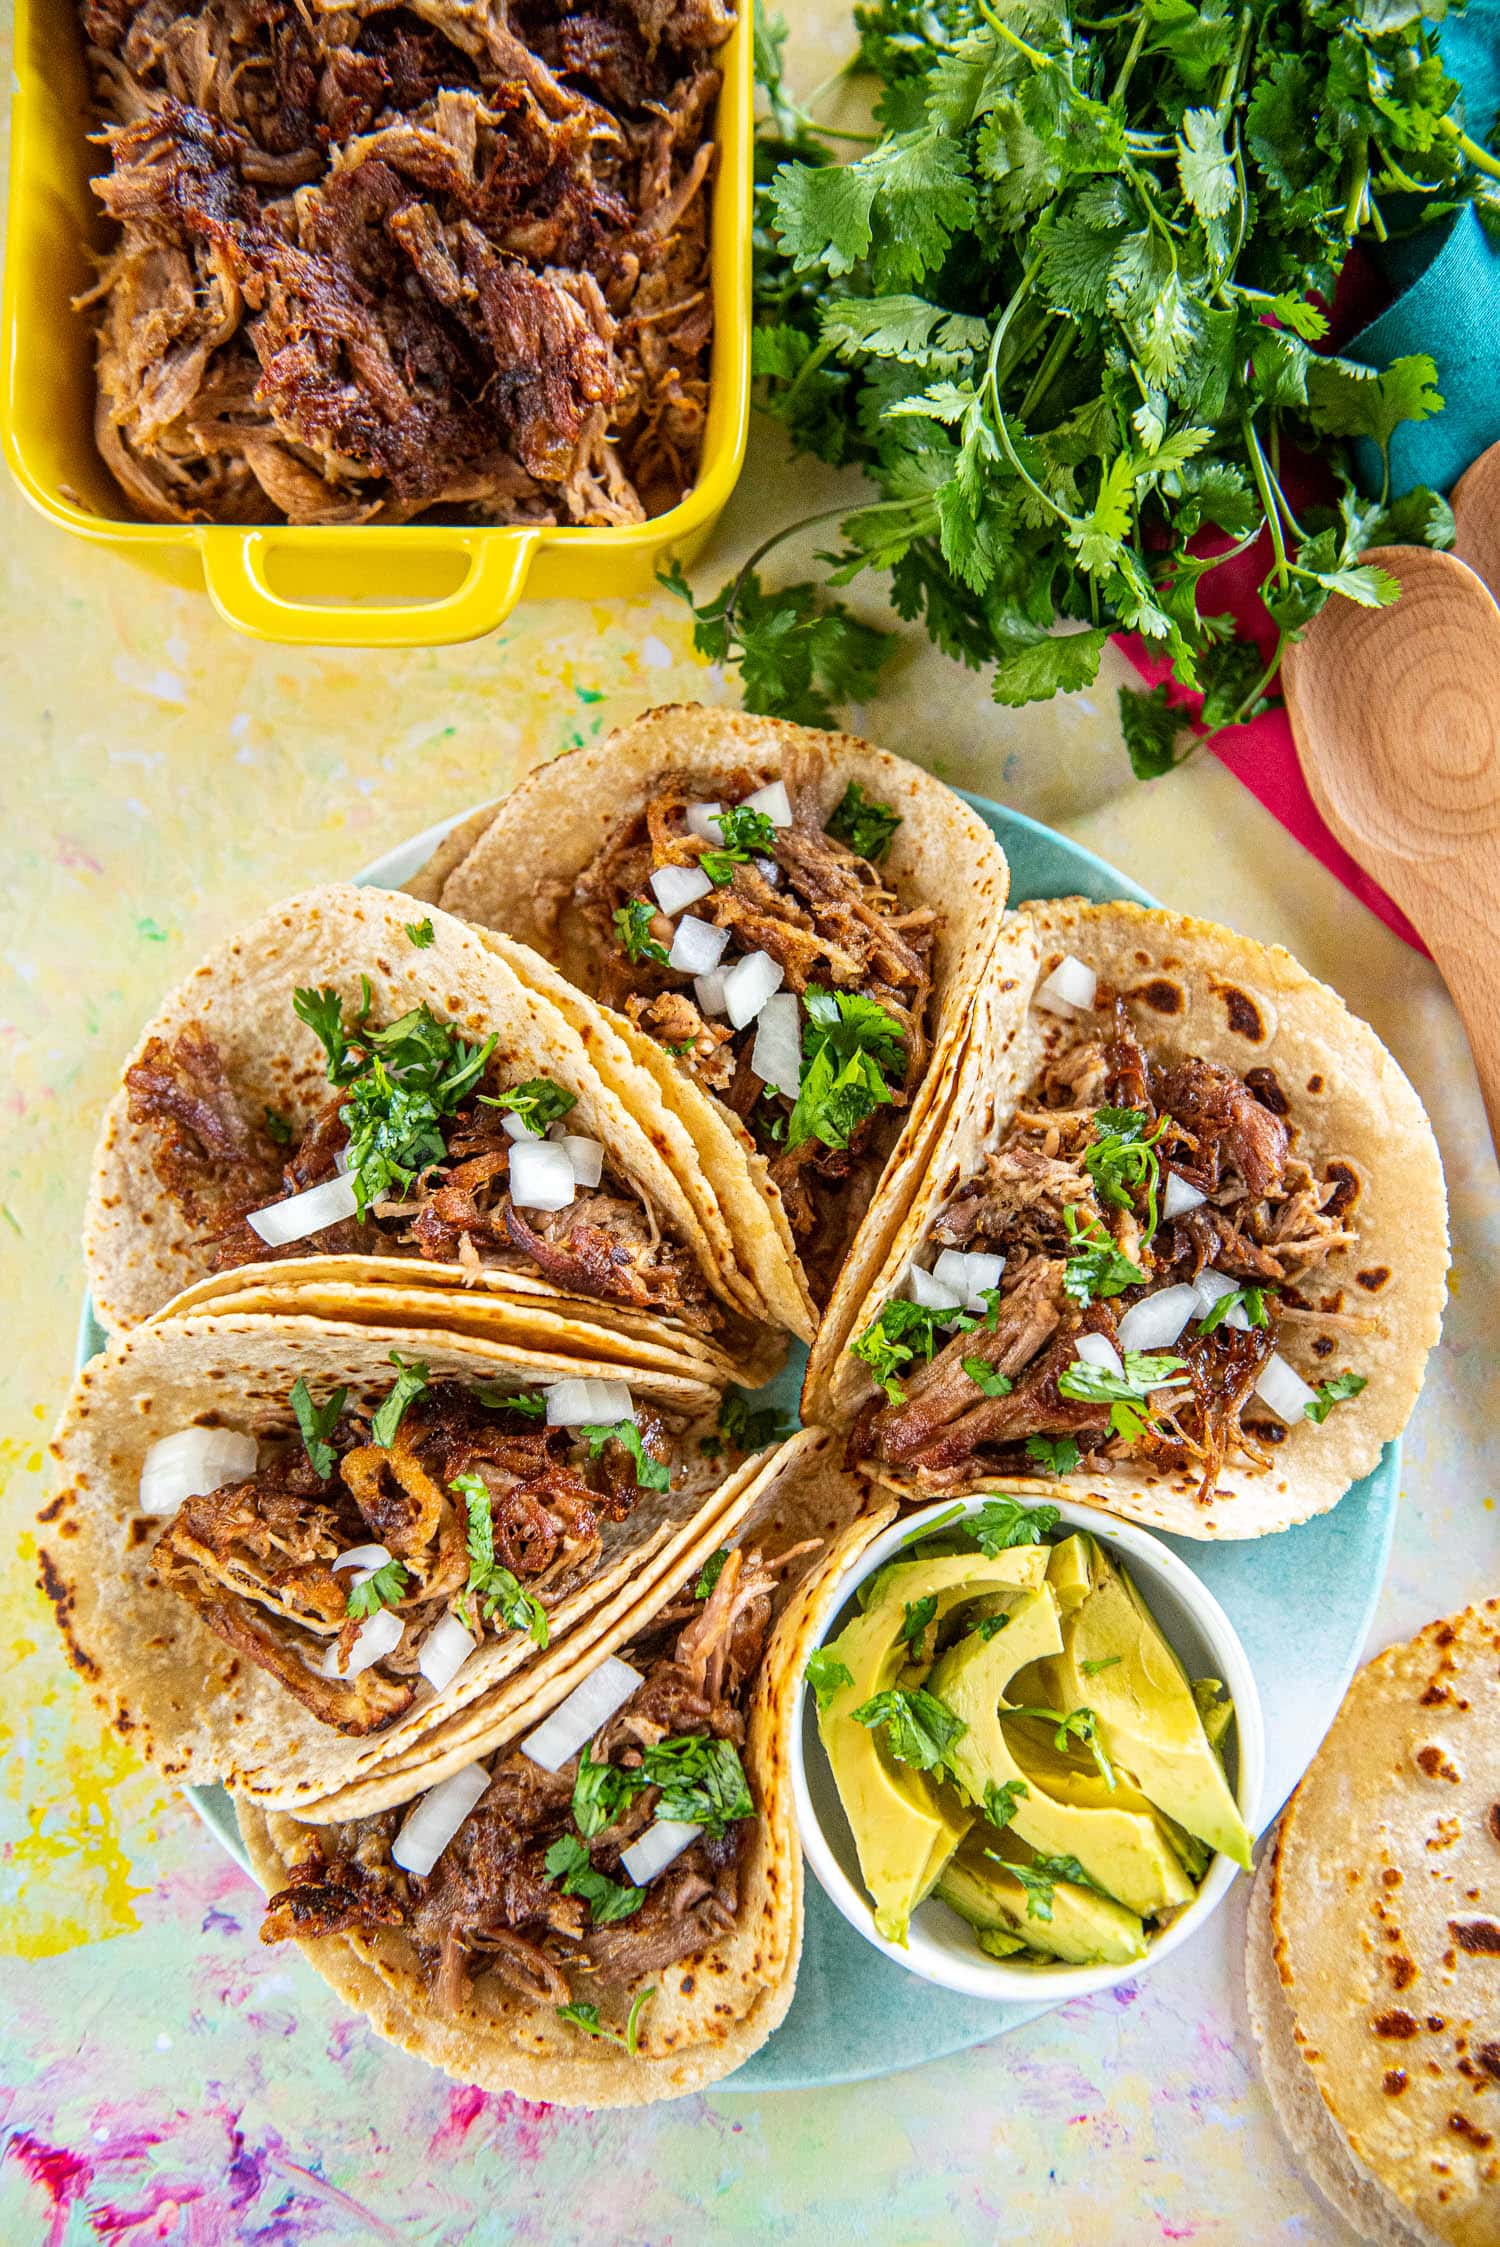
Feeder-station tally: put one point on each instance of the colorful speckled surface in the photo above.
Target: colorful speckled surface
(161, 2076)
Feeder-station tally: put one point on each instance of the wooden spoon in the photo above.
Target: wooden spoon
(1476, 518)
(1396, 714)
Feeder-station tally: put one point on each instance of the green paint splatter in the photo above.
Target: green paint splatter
(152, 931)
(589, 694)
(11, 1219)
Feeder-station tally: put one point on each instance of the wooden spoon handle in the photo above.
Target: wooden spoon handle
(1465, 950)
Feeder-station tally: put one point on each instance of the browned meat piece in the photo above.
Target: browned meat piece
(673, 1020)
(1232, 1132)
(611, 1258)
(942, 1396)
(328, 1896)
(1018, 1179)
(204, 1152)
(1034, 1407)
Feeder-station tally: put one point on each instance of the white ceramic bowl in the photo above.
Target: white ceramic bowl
(942, 1947)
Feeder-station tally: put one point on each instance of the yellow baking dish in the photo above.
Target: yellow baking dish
(414, 585)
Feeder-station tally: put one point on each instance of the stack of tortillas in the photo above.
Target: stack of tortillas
(1374, 1946)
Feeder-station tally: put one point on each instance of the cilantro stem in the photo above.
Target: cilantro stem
(992, 382)
(1132, 57)
(1479, 157)
(1052, 360)
(810, 365)
(1354, 208)
(1231, 78)
(1033, 55)
(1262, 477)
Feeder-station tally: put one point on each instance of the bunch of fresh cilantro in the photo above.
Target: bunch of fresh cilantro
(1062, 310)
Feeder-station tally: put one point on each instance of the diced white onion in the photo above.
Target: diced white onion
(768, 870)
(1155, 1322)
(191, 1463)
(1070, 987)
(933, 1294)
(380, 1634)
(587, 1709)
(430, 1827)
(444, 1651)
(1209, 1286)
(301, 1214)
(1178, 1197)
(703, 821)
(697, 946)
(708, 990)
(1282, 1387)
(366, 1558)
(969, 1272)
(776, 1056)
(676, 886)
(774, 801)
(541, 1175)
(663, 1841)
(579, 1403)
(586, 1156)
(341, 1161)
(748, 985)
(1097, 1349)
(515, 1128)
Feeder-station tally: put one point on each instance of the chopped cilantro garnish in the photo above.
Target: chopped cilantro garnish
(1059, 1455)
(827, 1675)
(568, 1861)
(743, 829)
(917, 1615)
(420, 932)
(1100, 1662)
(1125, 1392)
(902, 1332)
(402, 1082)
(495, 1586)
(680, 1052)
(1122, 1160)
(710, 1572)
(586, 2018)
(495, 1397)
(1333, 1392)
(600, 1792)
(633, 931)
(383, 1589)
(850, 1048)
(919, 1728)
(864, 823)
(1095, 1267)
(278, 1129)
(317, 1423)
(1250, 1300)
(1072, 1724)
(985, 1377)
(989, 1626)
(748, 1427)
(1040, 1877)
(702, 1782)
(650, 1474)
(536, 1104)
(1003, 1523)
(1002, 1802)
(412, 1377)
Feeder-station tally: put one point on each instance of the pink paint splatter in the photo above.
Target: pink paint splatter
(72, 854)
(63, 2176)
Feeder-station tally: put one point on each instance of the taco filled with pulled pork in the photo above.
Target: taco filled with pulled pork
(789, 926)
(1181, 1249)
(285, 1550)
(386, 1095)
(607, 1909)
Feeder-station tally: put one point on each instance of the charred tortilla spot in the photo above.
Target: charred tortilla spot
(1396, 2023)
(1241, 1012)
(1345, 1182)
(1315, 1083)
(1161, 996)
(1479, 1937)
(1373, 1280)
(1266, 1086)
(1393, 2082)
(63, 1603)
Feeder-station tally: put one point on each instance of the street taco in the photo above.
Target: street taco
(341, 1080)
(789, 926)
(607, 1910)
(284, 1549)
(1180, 1250)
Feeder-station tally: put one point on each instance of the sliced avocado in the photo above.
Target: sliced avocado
(1069, 1572)
(905, 1826)
(1148, 1719)
(1085, 1928)
(1124, 1850)
(956, 1578)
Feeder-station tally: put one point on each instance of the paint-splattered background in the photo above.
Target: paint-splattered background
(162, 2077)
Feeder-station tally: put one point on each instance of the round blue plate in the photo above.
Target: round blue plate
(1302, 1603)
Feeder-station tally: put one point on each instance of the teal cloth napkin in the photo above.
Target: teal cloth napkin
(1449, 306)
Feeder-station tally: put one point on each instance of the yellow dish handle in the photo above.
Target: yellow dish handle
(235, 569)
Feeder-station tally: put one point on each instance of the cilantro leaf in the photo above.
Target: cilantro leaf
(1125, 1392)
(747, 1427)
(1001, 1802)
(317, 1423)
(537, 1104)
(864, 823)
(702, 1781)
(412, 1377)
(278, 1129)
(1095, 1268)
(1058, 1455)
(743, 830)
(1250, 1300)
(1073, 1724)
(916, 1615)
(650, 1474)
(919, 1729)
(382, 1589)
(851, 1048)
(1099, 1662)
(586, 2019)
(1330, 1393)
(1040, 1877)
(1001, 1524)
(601, 1791)
(1122, 1161)
(567, 1860)
(633, 931)
(827, 1675)
(496, 1587)
(495, 1397)
(421, 933)
(902, 1332)
(710, 1572)
(984, 1376)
